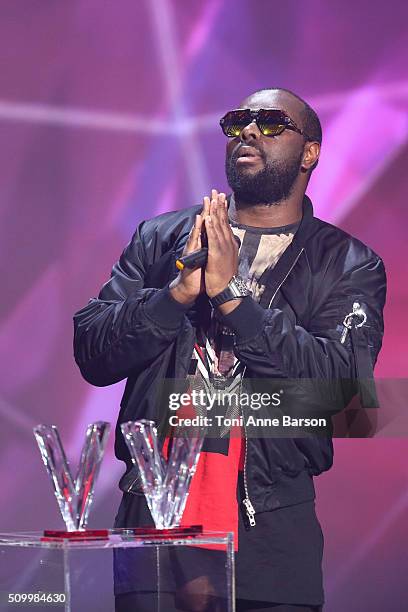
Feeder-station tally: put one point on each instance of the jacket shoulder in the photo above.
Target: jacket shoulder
(162, 233)
(341, 245)
(171, 220)
(346, 268)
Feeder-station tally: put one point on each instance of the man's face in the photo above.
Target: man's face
(263, 169)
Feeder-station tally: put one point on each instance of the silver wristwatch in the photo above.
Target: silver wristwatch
(236, 288)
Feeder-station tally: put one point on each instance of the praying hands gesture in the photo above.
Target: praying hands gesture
(222, 261)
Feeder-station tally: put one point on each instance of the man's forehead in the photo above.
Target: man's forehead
(275, 98)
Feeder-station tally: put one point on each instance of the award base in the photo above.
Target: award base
(137, 532)
(96, 569)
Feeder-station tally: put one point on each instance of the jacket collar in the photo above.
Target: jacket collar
(306, 222)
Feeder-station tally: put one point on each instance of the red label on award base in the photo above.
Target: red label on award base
(152, 533)
(88, 534)
(135, 532)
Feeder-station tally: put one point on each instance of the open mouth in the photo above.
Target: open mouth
(247, 154)
(248, 158)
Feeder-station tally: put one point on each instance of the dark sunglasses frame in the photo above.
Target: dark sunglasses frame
(283, 121)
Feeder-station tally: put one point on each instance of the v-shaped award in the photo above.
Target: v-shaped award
(165, 483)
(74, 495)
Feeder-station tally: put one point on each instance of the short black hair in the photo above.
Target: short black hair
(311, 122)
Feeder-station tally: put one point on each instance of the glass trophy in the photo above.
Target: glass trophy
(74, 495)
(165, 483)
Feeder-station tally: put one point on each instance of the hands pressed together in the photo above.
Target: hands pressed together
(222, 262)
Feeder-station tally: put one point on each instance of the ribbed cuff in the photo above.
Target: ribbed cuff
(246, 320)
(164, 310)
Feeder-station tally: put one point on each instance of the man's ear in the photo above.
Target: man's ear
(310, 155)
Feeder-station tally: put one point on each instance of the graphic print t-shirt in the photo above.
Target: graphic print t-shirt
(260, 251)
(212, 500)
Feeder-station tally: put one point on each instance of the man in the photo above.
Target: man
(299, 299)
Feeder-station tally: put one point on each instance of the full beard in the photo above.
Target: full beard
(271, 185)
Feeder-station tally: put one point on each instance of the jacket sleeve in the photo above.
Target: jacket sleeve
(128, 325)
(271, 344)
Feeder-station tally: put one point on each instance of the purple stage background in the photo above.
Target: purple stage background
(109, 115)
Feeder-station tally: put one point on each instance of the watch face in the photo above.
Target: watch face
(240, 285)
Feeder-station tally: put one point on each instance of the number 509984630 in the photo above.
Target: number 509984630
(36, 598)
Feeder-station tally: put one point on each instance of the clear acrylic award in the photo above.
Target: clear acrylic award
(74, 495)
(165, 483)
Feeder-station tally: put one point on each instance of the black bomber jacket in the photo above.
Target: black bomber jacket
(135, 330)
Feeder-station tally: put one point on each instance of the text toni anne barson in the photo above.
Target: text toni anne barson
(251, 420)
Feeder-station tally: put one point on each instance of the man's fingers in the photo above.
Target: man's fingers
(216, 232)
(194, 238)
(196, 234)
(223, 213)
(224, 220)
(217, 211)
(206, 207)
(211, 234)
(222, 224)
(220, 197)
(214, 214)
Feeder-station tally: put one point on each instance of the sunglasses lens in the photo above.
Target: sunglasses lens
(234, 122)
(271, 123)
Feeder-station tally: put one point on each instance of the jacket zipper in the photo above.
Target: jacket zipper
(286, 276)
(249, 509)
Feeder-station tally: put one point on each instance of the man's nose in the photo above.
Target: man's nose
(250, 132)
